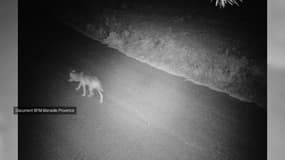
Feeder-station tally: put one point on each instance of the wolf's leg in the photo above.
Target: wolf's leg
(90, 91)
(79, 85)
(84, 89)
(101, 95)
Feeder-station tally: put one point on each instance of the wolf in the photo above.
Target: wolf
(86, 80)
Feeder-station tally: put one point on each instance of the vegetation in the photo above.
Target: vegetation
(223, 3)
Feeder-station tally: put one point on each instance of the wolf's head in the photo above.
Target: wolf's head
(74, 76)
